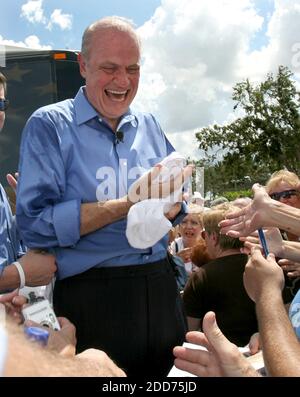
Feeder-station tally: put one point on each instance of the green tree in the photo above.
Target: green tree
(267, 138)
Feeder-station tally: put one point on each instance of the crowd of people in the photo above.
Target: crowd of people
(119, 308)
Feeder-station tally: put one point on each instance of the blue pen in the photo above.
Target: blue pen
(263, 242)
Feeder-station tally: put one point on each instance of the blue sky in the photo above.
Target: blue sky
(194, 51)
(137, 10)
(83, 12)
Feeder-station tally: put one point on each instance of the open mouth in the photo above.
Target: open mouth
(189, 234)
(117, 96)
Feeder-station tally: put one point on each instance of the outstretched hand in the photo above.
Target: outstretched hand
(248, 219)
(219, 358)
(262, 275)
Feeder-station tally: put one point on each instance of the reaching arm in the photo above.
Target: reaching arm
(281, 349)
(94, 216)
(280, 248)
(262, 212)
(38, 268)
(26, 358)
(264, 281)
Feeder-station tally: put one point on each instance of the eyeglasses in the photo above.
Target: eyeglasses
(3, 104)
(286, 194)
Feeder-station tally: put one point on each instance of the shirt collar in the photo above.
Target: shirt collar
(85, 111)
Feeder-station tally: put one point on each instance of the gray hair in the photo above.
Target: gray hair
(110, 23)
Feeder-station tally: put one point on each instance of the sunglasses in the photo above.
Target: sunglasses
(285, 195)
(3, 104)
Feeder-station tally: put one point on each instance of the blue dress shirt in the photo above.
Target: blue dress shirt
(294, 314)
(10, 246)
(70, 156)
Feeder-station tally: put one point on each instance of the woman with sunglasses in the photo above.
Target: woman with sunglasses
(284, 186)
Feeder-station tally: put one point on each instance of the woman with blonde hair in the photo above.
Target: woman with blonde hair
(190, 234)
(284, 186)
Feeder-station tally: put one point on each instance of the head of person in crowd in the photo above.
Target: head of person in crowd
(241, 202)
(284, 186)
(199, 255)
(191, 226)
(198, 199)
(217, 244)
(218, 200)
(3, 101)
(110, 64)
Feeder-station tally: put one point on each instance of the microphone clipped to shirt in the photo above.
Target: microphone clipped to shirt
(119, 137)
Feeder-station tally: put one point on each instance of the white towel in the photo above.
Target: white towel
(146, 223)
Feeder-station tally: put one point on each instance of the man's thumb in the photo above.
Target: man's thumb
(213, 333)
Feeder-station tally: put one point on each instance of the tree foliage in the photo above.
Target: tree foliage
(265, 139)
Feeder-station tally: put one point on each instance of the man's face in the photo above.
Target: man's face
(112, 73)
(2, 114)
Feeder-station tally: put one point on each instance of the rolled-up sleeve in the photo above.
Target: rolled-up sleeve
(67, 222)
(45, 217)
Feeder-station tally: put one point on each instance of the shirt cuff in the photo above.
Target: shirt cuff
(66, 221)
(181, 214)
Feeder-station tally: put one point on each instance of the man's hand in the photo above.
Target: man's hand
(250, 218)
(222, 358)
(185, 254)
(12, 181)
(14, 303)
(273, 238)
(62, 341)
(262, 275)
(255, 343)
(173, 211)
(39, 268)
(151, 185)
(292, 269)
(100, 362)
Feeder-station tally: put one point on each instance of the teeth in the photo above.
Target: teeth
(117, 92)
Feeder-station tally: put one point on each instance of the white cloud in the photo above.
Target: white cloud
(64, 21)
(192, 49)
(194, 52)
(185, 142)
(29, 42)
(33, 11)
(283, 47)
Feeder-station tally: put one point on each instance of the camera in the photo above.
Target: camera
(41, 313)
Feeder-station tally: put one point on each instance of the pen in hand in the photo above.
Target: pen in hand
(263, 242)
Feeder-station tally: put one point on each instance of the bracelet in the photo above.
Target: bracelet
(21, 274)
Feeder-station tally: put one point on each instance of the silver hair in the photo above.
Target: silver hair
(113, 23)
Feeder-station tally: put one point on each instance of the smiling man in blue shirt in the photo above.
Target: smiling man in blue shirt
(78, 159)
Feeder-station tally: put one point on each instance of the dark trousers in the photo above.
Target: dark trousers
(133, 313)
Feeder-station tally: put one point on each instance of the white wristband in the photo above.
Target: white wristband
(21, 274)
